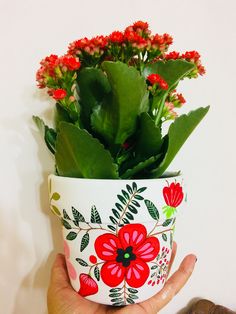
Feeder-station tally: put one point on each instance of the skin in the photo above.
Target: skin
(62, 299)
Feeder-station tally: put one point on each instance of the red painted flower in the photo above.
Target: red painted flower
(173, 194)
(59, 94)
(126, 255)
(88, 286)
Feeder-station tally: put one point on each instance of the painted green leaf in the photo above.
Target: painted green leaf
(97, 273)
(114, 295)
(154, 267)
(115, 289)
(126, 195)
(113, 220)
(125, 221)
(119, 303)
(95, 217)
(122, 199)
(130, 301)
(138, 197)
(78, 217)
(167, 222)
(55, 210)
(93, 86)
(164, 236)
(119, 206)
(111, 227)
(55, 196)
(66, 224)
(129, 189)
(134, 186)
(71, 236)
(84, 241)
(78, 154)
(132, 209)
(133, 296)
(178, 133)
(116, 118)
(65, 215)
(129, 216)
(140, 190)
(81, 262)
(116, 300)
(116, 213)
(134, 202)
(153, 211)
(169, 211)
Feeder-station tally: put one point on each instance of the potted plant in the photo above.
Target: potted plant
(110, 190)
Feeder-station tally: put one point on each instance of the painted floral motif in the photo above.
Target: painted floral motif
(173, 195)
(88, 286)
(71, 270)
(126, 255)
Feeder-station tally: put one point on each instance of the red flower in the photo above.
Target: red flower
(172, 55)
(70, 62)
(181, 98)
(59, 94)
(140, 25)
(157, 79)
(154, 78)
(191, 55)
(126, 255)
(88, 286)
(116, 37)
(173, 194)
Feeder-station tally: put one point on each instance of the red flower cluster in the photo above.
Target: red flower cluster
(116, 37)
(161, 42)
(157, 79)
(52, 69)
(94, 46)
(59, 94)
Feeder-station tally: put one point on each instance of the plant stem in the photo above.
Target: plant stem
(160, 110)
(162, 231)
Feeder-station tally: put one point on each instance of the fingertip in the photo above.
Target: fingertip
(188, 263)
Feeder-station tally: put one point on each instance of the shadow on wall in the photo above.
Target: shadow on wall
(35, 283)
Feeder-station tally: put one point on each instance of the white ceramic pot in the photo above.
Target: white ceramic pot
(118, 234)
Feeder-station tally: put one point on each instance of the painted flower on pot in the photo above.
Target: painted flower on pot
(126, 255)
(88, 286)
(173, 195)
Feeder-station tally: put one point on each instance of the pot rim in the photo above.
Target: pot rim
(166, 176)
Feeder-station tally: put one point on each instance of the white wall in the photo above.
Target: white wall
(29, 235)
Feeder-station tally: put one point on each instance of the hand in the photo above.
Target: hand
(62, 299)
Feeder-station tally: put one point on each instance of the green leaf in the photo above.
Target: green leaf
(164, 236)
(119, 206)
(172, 71)
(126, 195)
(116, 300)
(55, 196)
(71, 236)
(125, 221)
(153, 211)
(66, 224)
(140, 190)
(77, 215)
(81, 262)
(138, 197)
(78, 154)
(167, 222)
(129, 216)
(129, 189)
(149, 138)
(84, 241)
(113, 220)
(49, 134)
(122, 199)
(97, 273)
(61, 115)
(139, 167)
(178, 133)
(95, 217)
(93, 86)
(154, 267)
(133, 296)
(114, 295)
(130, 301)
(134, 186)
(116, 118)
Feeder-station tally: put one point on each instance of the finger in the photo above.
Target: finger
(173, 254)
(59, 275)
(173, 285)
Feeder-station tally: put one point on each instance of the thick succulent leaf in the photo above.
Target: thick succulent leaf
(178, 133)
(116, 118)
(78, 154)
(93, 86)
(61, 115)
(139, 167)
(48, 134)
(149, 139)
(172, 70)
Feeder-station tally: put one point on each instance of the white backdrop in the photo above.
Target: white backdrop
(29, 234)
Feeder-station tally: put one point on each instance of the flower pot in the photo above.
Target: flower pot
(118, 234)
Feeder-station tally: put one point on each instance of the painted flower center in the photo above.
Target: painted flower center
(125, 256)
